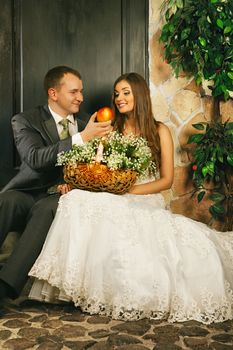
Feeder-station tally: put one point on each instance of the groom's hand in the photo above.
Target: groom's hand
(64, 188)
(95, 129)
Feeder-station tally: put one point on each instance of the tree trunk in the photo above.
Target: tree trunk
(216, 116)
(229, 204)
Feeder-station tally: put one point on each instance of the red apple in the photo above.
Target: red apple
(104, 114)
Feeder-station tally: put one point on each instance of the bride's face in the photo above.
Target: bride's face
(123, 97)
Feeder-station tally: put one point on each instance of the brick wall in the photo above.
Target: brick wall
(177, 103)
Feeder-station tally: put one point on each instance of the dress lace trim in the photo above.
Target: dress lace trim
(172, 248)
(173, 309)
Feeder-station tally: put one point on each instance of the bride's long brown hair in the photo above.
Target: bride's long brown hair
(142, 113)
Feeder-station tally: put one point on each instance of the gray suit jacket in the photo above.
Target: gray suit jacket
(38, 144)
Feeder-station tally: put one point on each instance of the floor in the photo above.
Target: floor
(27, 324)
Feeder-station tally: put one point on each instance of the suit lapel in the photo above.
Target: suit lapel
(81, 123)
(50, 126)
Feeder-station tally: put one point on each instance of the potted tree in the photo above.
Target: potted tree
(198, 40)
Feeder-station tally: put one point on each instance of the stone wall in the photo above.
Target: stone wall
(177, 103)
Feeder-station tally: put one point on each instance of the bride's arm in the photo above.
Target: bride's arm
(167, 166)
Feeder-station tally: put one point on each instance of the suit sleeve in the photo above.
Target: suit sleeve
(34, 146)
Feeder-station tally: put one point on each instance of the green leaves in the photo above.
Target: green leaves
(185, 33)
(217, 197)
(179, 3)
(208, 169)
(171, 28)
(227, 29)
(229, 126)
(200, 196)
(118, 152)
(195, 138)
(230, 159)
(217, 210)
(218, 60)
(230, 75)
(213, 159)
(219, 23)
(198, 37)
(199, 126)
(202, 42)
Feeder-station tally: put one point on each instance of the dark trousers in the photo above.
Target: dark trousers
(32, 215)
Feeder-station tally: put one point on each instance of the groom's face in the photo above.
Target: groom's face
(68, 95)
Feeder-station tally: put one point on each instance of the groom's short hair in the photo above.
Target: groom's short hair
(53, 76)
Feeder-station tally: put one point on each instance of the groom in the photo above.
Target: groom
(29, 201)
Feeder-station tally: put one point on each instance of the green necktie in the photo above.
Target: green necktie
(65, 131)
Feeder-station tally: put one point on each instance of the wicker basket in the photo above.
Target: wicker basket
(99, 178)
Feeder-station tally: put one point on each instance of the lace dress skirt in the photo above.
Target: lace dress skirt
(129, 258)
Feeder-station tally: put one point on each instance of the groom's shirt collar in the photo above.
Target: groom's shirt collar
(58, 118)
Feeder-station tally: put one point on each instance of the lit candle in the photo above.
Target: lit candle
(99, 154)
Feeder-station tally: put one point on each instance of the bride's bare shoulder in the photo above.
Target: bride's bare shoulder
(164, 131)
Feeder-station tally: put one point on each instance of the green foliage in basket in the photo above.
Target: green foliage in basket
(120, 152)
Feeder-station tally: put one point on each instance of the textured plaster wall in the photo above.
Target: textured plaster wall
(177, 103)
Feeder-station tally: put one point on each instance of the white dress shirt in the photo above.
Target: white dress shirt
(73, 127)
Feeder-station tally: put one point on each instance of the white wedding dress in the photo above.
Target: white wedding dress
(127, 257)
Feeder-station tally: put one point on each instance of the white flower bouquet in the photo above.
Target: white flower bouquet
(111, 164)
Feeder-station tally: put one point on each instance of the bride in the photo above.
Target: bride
(127, 256)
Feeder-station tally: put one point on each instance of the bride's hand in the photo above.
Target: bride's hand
(133, 189)
(64, 188)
